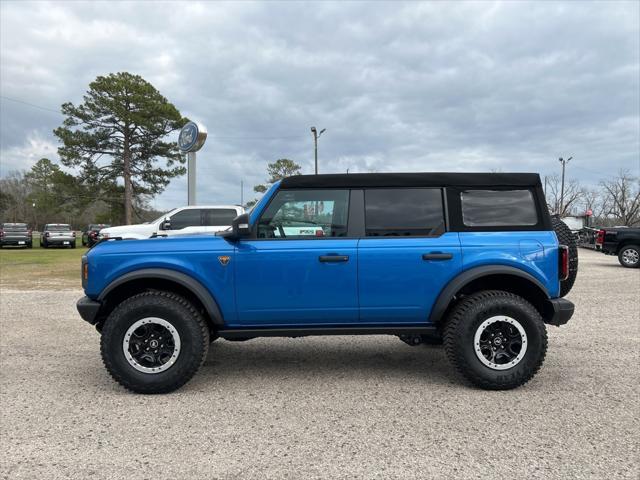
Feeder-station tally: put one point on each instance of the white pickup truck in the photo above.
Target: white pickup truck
(180, 221)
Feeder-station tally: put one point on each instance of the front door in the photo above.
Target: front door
(184, 222)
(300, 269)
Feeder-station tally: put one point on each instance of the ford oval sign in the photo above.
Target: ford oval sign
(192, 137)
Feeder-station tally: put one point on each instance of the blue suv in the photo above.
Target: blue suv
(473, 261)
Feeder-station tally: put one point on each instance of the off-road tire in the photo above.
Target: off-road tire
(565, 237)
(632, 248)
(469, 314)
(181, 314)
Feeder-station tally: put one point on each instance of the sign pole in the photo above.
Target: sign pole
(190, 140)
(191, 177)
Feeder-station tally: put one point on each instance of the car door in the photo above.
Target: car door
(407, 255)
(185, 222)
(300, 267)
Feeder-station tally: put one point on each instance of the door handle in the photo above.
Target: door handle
(437, 256)
(333, 258)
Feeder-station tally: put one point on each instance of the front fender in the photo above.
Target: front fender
(193, 285)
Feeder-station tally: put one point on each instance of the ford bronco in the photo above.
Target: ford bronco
(473, 261)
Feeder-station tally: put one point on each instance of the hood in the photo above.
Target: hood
(161, 245)
(143, 230)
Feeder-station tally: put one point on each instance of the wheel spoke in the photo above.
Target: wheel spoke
(151, 345)
(500, 342)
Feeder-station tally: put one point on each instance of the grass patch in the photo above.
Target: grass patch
(41, 268)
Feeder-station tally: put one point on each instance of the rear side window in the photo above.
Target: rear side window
(497, 208)
(215, 217)
(406, 212)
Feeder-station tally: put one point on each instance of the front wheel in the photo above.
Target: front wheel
(629, 256)
(154, 342)
(496, 339)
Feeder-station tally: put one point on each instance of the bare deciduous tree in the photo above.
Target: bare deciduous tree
(622, 194)
(572, 194)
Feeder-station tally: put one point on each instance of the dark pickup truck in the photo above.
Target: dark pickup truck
(18, 234)
(623, 242)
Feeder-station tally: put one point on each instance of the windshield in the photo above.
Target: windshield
(161, 217)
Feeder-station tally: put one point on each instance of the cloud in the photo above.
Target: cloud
(24, 156)
(399, 86)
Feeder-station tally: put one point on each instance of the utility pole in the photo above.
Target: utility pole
(316, 136)
(241, 193)
(564, 163)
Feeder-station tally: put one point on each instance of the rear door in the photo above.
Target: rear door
(406, 256)
(218, 219)
(301, 269)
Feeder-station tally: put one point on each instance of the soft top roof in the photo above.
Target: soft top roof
(358, 180)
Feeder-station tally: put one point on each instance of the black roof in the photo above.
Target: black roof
(422, 179)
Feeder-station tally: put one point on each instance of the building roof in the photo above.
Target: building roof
(422, 179)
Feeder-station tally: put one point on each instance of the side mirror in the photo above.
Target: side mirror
(240, 227)
(166, 224)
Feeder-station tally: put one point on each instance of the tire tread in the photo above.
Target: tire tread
(174, 379)
(460, 314)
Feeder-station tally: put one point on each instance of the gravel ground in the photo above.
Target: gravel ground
(326, 407)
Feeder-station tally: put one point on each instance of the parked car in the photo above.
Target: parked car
(471, 259)
(180, 221)
(90, 235)
(623, 242)
(18, 234)
(58, 234)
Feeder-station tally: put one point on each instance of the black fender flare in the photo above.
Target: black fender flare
(191, 284)
(466, 277)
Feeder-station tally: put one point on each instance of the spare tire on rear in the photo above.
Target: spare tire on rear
(565, 237)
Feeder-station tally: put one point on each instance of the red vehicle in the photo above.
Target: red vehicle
(90, 235)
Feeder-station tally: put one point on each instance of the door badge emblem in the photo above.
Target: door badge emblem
(224, 260)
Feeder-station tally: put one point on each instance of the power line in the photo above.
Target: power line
(29, 104)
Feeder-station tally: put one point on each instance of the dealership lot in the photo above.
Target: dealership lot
(326, 407)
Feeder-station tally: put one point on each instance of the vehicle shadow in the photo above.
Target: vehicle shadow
(330, 357)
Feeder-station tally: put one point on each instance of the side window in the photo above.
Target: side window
(186, 218)
(403, 212)
(216, 217)
(305, 214)
(497, 208)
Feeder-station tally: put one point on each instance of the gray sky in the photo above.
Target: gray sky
(473, 86)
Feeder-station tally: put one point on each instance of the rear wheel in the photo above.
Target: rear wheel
(496, 339)
(154, 342)
(629, 256)
(565, 237)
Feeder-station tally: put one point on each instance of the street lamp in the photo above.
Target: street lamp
(316, 136)
(564, 163)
